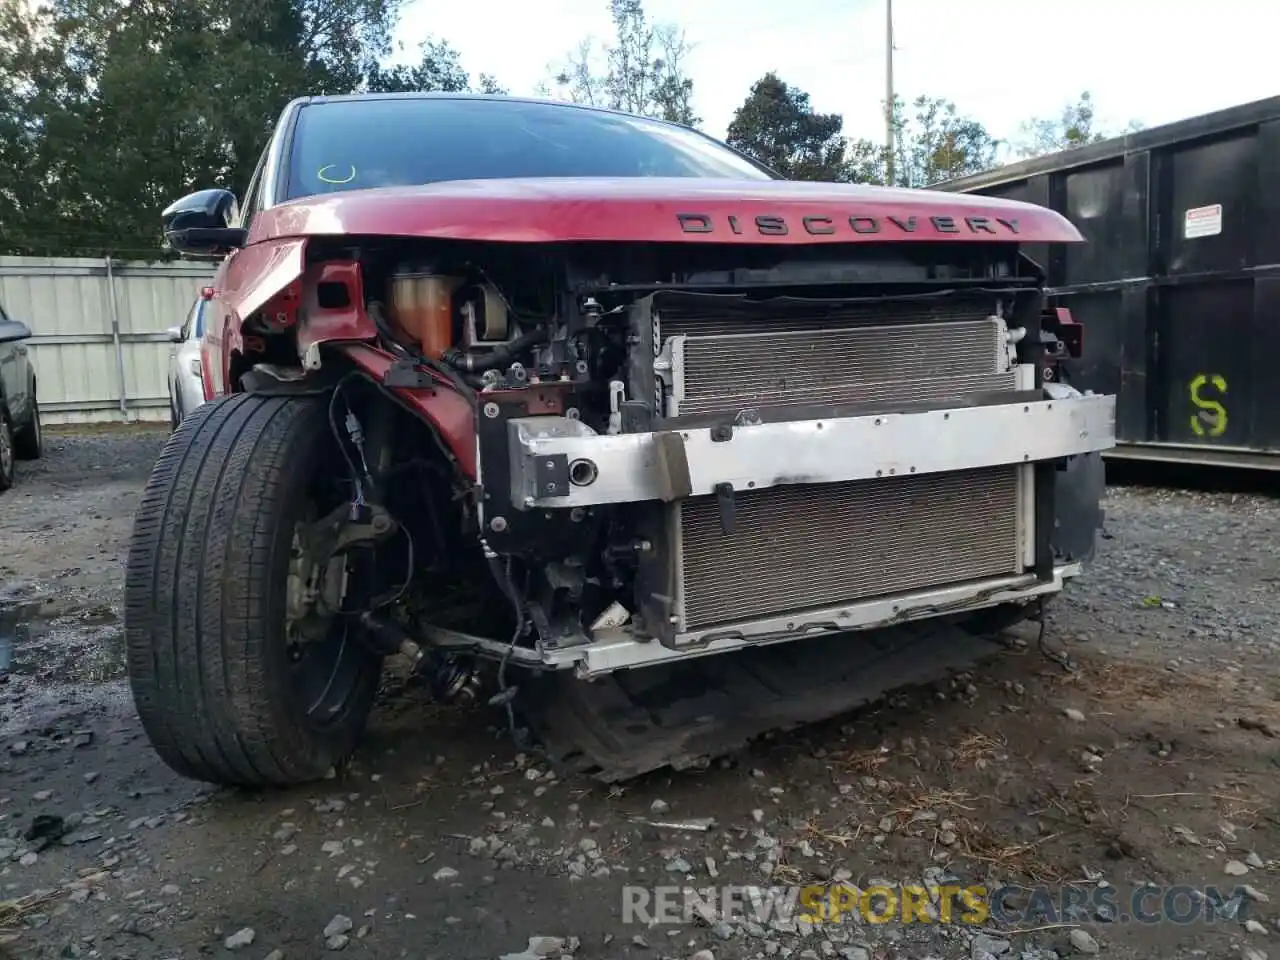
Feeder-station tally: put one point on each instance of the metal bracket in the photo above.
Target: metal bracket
(407, 375)
(551, 476)
(728, 508)
(338, 531)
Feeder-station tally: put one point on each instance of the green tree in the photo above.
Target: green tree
(937, 144)
(777, 125)
(642, 71)
(171, 95)
(933, 142)
(1075, 126)
(439, 68)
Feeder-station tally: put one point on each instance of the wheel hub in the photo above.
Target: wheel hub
(315, 590)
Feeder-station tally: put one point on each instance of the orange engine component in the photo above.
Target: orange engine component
(422, 305)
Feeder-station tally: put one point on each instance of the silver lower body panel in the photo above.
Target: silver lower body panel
(618, 649)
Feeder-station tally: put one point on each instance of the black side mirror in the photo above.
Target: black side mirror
(200, 224)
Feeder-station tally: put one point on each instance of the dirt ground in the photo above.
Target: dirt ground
(1151, 757)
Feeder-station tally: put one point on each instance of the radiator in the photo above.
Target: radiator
(714, 373)
(801, 547)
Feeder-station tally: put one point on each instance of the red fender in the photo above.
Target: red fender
(443, 408)
(331, 297)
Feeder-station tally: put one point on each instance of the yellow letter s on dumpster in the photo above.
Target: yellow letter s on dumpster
(1210, 418)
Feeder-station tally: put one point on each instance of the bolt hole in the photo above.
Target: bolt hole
(583, 473)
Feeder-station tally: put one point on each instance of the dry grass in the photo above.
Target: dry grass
(914, 803)
(1240, 809)
(1129, 682)
(784, 874)
(978, 749)
(980, 844)
(835, 837)
(12, 912)
(865, 762)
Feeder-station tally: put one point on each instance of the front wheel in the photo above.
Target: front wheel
(6, 450)
(227, 689)
(28, 443)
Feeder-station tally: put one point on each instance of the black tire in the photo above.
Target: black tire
(6, 449)
(28, 442)
(205, 600)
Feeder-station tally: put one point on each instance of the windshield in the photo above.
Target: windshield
(350, 144)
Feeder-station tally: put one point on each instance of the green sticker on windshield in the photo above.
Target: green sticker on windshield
(325, 177)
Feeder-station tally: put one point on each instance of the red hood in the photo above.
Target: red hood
(649, 209)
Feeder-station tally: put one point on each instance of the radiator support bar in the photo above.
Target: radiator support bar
(618, 649)
(558, 462)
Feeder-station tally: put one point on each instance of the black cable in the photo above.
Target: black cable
(500, 354)
(408, 576)
(451, 379)
(417, 416)
(337, 435)
(506, 694)
(1060, 657)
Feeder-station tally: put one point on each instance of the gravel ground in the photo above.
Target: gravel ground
(1150, 758)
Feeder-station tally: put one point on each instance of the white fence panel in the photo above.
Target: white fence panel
(98, 326)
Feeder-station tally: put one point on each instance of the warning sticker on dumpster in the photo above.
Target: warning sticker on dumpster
(1203, 222)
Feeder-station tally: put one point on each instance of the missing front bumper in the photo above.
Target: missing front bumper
(764, 532)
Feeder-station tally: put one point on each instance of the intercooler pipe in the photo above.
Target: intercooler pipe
(503, 353)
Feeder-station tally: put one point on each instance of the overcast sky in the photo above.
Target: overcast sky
(1000, 61)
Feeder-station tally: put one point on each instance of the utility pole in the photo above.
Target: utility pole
(888, 91)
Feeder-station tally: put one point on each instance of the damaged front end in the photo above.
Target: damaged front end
(736, 456)
(788, 467)
(580, 423)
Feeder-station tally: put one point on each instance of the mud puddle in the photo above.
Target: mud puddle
(57, 654)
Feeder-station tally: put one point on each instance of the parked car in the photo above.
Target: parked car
(19, 415)
(186, 386)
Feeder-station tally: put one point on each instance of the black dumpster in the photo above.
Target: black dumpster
(1178, 287)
